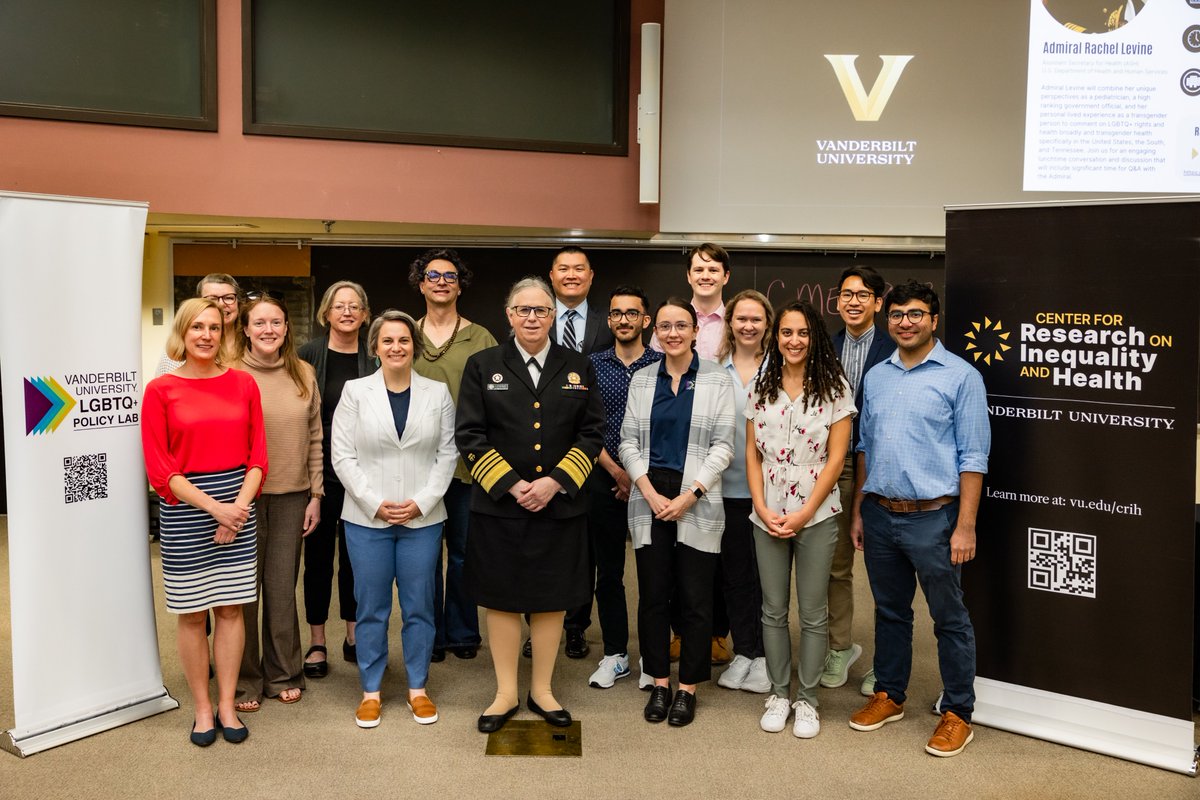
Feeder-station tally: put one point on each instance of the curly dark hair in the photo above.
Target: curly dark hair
(823, 373)
(416, 271)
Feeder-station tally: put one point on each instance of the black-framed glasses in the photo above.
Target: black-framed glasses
(914, 315)
(663, 328)
(226, 299)
(863, 295)
(433, 276)
(540, 312)
(630, 314)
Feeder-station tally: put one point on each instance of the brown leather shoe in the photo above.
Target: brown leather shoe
(879, 711)
(720, 651)
(952, 736)
(676, 646)
(423, 709)
(367, 715)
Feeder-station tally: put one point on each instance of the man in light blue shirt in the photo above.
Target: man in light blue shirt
(922, 453)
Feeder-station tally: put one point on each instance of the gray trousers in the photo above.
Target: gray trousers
(811, 552)
(278, 664)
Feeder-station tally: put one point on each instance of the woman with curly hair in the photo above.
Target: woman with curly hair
(798, 422)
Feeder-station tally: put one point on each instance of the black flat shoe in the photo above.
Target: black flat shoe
(316, 669)
(656, 706)
(465, 653)
(232, 735)
(527, 648)
(349, 651)
(490, 723)
(577, 646)
(203, 738)
(438, 655)
(559, 719)
(683, 709)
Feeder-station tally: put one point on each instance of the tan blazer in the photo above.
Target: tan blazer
(374, 465)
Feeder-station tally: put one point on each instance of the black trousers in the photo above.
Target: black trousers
(318, 561)
(608, 529)
(739, 571)
(666, 569)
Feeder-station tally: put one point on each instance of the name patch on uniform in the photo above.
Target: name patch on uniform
(497, 387)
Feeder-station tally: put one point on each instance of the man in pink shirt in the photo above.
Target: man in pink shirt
(707, 274)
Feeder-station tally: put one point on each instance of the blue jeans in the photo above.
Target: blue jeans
(404, 557)
(454, 612)
(899, 550)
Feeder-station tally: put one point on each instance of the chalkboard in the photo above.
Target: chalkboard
(534, 75)
(782, 276)
(132, 62)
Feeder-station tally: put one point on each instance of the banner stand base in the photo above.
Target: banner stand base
(25, 743)
(1150, 739)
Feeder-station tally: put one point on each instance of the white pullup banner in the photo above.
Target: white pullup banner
(85, 650)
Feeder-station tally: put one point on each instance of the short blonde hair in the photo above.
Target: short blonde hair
(327, 301)
(188, 311)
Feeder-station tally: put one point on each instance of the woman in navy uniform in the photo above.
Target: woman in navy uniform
(530, 425)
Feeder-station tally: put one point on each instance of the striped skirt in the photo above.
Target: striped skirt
(198, 573)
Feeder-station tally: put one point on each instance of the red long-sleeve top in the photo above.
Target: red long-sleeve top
(194, 425)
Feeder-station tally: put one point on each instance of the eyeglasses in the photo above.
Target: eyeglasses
(664, 328)
(433, 276)
(226, 299)
(342, 308)
(540, 312)
(862, 296)
(631, 314)
(913, 314)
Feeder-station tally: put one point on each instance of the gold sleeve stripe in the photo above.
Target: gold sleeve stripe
(490, 469)
(577, 466)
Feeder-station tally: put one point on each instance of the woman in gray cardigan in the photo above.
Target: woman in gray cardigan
(676, 439)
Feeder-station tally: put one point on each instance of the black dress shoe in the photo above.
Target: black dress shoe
(316, 669)
(577, 646)
(349, 651)
(438, 655)
(683, 709)
(490, 723)
(559, 719)
(203, 738)
(465, 653)
(656, 706)
(527, 648)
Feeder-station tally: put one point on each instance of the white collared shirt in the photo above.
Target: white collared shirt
(535, 373)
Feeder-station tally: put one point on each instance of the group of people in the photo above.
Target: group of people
(743, 446)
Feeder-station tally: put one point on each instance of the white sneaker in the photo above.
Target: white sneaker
(867, 688)
(837, 666)
(735, 674)
(611, 668)
(645, 682)
(808, 721)
(775, 718)
(757, 680)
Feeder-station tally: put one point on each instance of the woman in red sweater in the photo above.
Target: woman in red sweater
(206, 456)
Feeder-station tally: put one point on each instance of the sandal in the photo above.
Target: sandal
(287, 702)
(247, 706)
(316, 669)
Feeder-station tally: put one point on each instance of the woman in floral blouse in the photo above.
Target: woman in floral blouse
(798, 430)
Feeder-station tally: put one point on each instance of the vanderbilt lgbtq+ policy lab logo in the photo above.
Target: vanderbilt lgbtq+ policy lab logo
(46, 405)
(868, 107)
(987, 340)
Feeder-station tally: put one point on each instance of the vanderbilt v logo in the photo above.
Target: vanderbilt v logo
(868, 108)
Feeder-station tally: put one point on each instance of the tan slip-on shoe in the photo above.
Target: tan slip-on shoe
(423, 709)
(367, 715)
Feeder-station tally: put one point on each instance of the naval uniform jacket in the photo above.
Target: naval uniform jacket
(507, 429)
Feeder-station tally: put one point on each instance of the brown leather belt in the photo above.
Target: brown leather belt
(913, 506)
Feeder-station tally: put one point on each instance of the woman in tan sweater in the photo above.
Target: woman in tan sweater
(290, 505)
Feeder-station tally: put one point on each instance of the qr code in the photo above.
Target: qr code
(1063, 562)
(85, 477)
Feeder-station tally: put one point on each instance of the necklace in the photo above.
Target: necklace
(445, 348)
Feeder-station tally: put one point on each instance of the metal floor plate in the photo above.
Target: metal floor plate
(536, 738)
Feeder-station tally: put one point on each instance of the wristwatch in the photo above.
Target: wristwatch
(696, 490)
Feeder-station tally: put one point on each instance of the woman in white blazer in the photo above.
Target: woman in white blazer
(393, 450)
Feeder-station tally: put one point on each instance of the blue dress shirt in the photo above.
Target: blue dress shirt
(671, 417)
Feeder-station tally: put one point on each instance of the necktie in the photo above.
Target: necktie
(569, 340)
(535, 369)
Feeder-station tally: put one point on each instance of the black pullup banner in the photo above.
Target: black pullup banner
(1083, 321)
